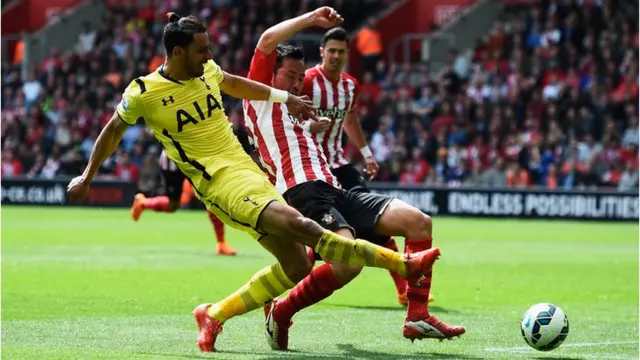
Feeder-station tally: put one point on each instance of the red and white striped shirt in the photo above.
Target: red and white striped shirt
(290, 154)
(166, 164)
(333, 99)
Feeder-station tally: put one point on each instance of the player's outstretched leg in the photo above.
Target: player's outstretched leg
(286, 226)
(402, 218)
(158, 203)
(218, 226)
(286, 222)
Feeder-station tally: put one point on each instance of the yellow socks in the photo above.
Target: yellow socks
(340, 249)
(263, 287)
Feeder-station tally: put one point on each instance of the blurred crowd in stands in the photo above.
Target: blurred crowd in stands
(549, 98)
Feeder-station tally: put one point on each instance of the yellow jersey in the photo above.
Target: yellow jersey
(188, 119)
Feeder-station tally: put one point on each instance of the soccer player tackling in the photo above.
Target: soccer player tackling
(300, 170)
(335, 93)
(181, 103)
(178, 193)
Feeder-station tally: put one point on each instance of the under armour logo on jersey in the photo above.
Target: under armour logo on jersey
(205, 83)
(167, 101)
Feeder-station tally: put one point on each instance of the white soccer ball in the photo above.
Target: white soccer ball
(544, 326)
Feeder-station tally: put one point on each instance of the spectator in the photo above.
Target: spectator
(11, 167)
(629, 178)
(86, 38)
(369, 45)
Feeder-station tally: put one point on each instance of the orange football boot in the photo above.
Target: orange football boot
(137, 208)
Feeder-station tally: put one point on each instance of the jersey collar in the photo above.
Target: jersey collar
(324, 74)
(161, 72)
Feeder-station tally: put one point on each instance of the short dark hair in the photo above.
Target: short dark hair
(180, 30)
(286, 51)
(337, 33)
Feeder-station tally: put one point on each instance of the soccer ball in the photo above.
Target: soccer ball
(544, 326)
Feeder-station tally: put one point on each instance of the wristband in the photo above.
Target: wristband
(366, 152)
(307, 125)
(279, 96)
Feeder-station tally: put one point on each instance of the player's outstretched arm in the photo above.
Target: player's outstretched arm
(106, 144)
(242, 88)
(324, 17)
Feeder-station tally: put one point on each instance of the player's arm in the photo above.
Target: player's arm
(353, 128)
(105, 145)
(242, 88)
(128, 112)
(354, 131)
(323, 17)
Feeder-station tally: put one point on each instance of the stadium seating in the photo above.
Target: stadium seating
(549, 98)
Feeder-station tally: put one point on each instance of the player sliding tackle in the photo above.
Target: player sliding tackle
(300, 170)
(182, 105)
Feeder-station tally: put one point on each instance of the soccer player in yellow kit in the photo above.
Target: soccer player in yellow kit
(182, 105)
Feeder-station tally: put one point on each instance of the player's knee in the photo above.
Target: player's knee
(420, 224)
(299, 224)
(297, 268)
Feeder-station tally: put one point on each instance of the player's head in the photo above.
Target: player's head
(187, 43)
(335, 46)
(289, 70)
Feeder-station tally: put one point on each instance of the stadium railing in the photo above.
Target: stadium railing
(529, 203)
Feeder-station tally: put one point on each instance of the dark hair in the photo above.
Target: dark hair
(180, 30)
(287, 51)
(337, 33)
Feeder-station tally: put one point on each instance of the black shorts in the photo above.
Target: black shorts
(173, 184)
(337, 209)
(350, 178)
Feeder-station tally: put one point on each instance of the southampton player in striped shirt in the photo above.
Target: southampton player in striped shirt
(181, 103)
(177, 193)
(297, 165)
(335, 94)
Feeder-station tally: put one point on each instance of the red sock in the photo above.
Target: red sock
(218, 226)
(418, 295)
(158, 203)
(318, 285)
(399, 281)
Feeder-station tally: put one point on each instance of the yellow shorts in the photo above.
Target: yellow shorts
(237, 195)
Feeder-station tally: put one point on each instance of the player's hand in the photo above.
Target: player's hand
(320, 125)
(301, 107)
(372, 167)
(326, 17)
(78, 189)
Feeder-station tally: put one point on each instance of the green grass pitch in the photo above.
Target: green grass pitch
(81, 283)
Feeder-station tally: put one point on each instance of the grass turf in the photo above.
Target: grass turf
(82, 283)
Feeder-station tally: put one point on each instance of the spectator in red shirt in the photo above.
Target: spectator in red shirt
(11, 166)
